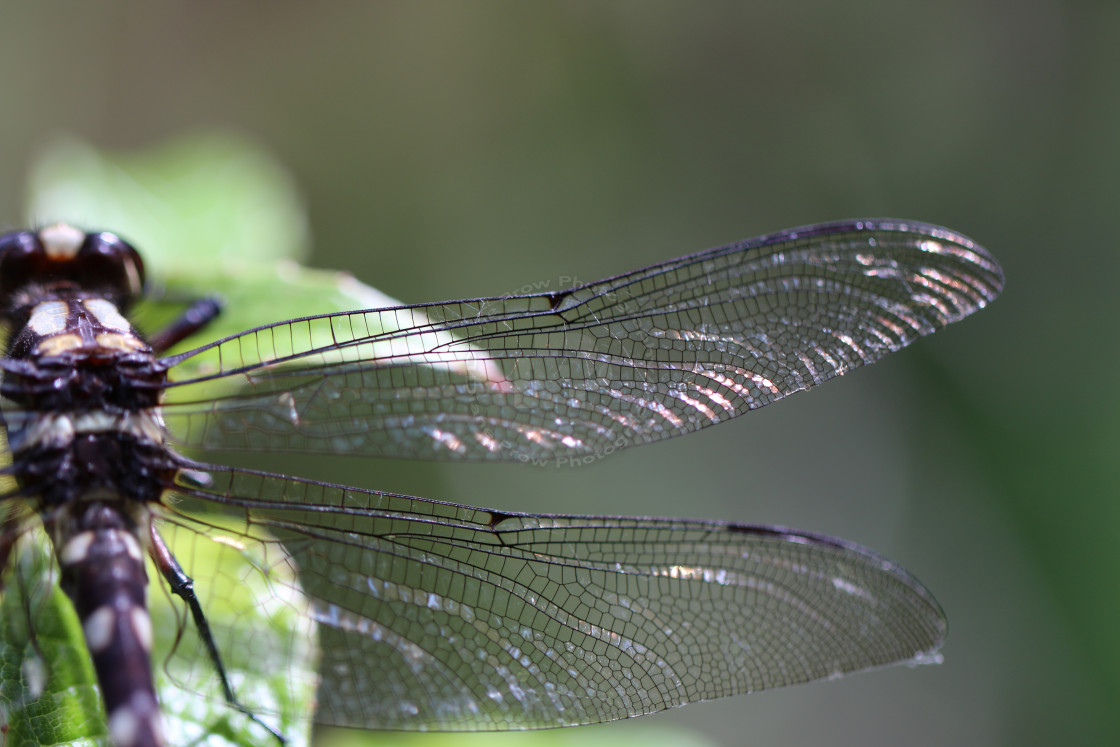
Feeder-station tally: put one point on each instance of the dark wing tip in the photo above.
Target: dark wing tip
(924, 606)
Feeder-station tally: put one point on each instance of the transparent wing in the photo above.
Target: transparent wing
(636, 358)
(439, 616)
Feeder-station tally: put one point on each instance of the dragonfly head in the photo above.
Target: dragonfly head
(62, 261)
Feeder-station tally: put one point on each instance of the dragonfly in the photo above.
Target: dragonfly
(442, 616)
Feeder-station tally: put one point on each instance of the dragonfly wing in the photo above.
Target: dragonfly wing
(636, 358)
(439, 616)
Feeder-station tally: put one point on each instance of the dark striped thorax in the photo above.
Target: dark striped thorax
(81, 392)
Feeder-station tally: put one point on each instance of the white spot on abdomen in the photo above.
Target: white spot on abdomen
(142, 626)
(98, 628)
(132, 546)
(126, 721)
(77, 549)
(124, 726)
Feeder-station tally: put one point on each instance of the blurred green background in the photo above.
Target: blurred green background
(450, 149)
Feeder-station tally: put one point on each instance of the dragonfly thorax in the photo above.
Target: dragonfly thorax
(83, 415)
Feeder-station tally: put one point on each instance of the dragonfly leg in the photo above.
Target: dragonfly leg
(200, 313)
(182, 586)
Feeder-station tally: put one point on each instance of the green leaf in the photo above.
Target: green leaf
(584, 736)
(48, 692)
(197, 201)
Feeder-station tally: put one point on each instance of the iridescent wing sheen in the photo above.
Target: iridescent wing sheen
(440, 616)
(632, 359)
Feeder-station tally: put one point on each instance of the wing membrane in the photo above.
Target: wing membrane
(647, 355)
(440, 616)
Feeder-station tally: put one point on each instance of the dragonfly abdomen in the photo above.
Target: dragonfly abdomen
(102, 569)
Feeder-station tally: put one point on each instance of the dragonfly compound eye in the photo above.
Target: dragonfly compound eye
(111, 261)
(18, 255)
